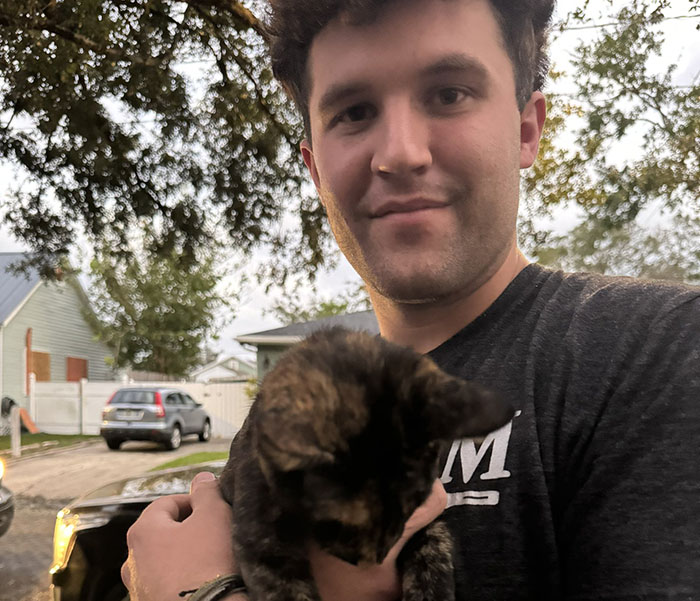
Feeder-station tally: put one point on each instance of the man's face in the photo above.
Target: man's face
(417, 146)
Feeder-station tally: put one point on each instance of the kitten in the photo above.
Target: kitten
(340, 447)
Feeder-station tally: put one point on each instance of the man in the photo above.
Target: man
(419, 116)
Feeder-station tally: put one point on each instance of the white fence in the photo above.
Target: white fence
(76, 407)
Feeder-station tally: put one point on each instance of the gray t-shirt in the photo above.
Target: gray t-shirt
(593, 490)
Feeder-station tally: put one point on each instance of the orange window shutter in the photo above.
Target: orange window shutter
(41, 363)
(76, 369)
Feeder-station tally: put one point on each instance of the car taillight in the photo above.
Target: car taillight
(104, 411)
(160, 410)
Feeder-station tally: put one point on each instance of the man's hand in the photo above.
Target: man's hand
(179, 542)
(340, 581)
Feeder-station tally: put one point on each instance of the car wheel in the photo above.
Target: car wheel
(175, 439)
(113, 443)
(205, 434)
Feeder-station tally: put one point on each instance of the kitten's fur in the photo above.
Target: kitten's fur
(340, 447)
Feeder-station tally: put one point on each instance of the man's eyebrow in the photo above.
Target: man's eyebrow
(456, 62)
(450, 63)
(337, 92)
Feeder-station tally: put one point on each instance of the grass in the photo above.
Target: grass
(61, 440)
(192, 459)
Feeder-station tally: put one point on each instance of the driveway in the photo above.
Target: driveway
(43, 484)
(66, 474)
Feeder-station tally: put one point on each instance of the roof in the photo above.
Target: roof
(222, 363)
(362, 320)
(14, 288)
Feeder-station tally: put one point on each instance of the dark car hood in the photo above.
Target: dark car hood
(147, 487)
(6, 497)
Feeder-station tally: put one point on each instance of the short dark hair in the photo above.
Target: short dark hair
(294, 24)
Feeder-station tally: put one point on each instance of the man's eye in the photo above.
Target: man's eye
(448, 96)
(356, 113)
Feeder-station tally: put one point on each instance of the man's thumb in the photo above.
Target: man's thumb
(200, 479)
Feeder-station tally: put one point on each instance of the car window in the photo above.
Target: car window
(189, 400)
(136, 397)
(173, 399)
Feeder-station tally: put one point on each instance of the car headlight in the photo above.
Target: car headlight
(68, 524)
(2, 470)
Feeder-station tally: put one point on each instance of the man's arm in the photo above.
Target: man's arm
(182, 541)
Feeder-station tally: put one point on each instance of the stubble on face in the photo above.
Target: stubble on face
(456, 263)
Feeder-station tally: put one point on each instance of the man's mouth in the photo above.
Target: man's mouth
(409, 205)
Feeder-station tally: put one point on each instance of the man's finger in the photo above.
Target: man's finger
(199, 478)
(433, 506)
(163, 512)
(172, 508)
(125, 574)
(205, 491)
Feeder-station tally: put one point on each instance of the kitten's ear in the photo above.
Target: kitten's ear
(286, 447)
(456, 408)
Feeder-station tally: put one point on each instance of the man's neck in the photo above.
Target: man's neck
(425, 326)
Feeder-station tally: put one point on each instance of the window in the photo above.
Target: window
(174, 399)
(137, 397)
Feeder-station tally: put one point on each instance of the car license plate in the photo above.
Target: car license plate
(128, 414)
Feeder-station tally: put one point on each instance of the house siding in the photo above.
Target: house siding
(268, 355)
(53, 312)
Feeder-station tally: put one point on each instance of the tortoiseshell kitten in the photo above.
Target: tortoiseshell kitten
(340, 447)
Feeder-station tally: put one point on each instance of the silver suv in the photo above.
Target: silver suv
(159, 414)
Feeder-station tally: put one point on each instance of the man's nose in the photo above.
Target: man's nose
(402, 143)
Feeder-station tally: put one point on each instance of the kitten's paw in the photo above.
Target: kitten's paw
(426, 565)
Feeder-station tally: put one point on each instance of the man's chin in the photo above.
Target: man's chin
(414, 289)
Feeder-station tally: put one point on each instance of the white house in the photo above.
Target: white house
(43, 331)
(225, 369)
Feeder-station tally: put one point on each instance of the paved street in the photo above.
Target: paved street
(43, 484)
(25, 551)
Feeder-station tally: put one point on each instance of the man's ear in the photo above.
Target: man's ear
(307, 154)
(532, 121)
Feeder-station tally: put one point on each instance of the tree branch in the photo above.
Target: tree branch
(251, 78)
(220, 62)
(6, 126)
(245, 16)
(76, 38)
(261, 99)
(653, 103)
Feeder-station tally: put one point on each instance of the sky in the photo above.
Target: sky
(682, 47)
